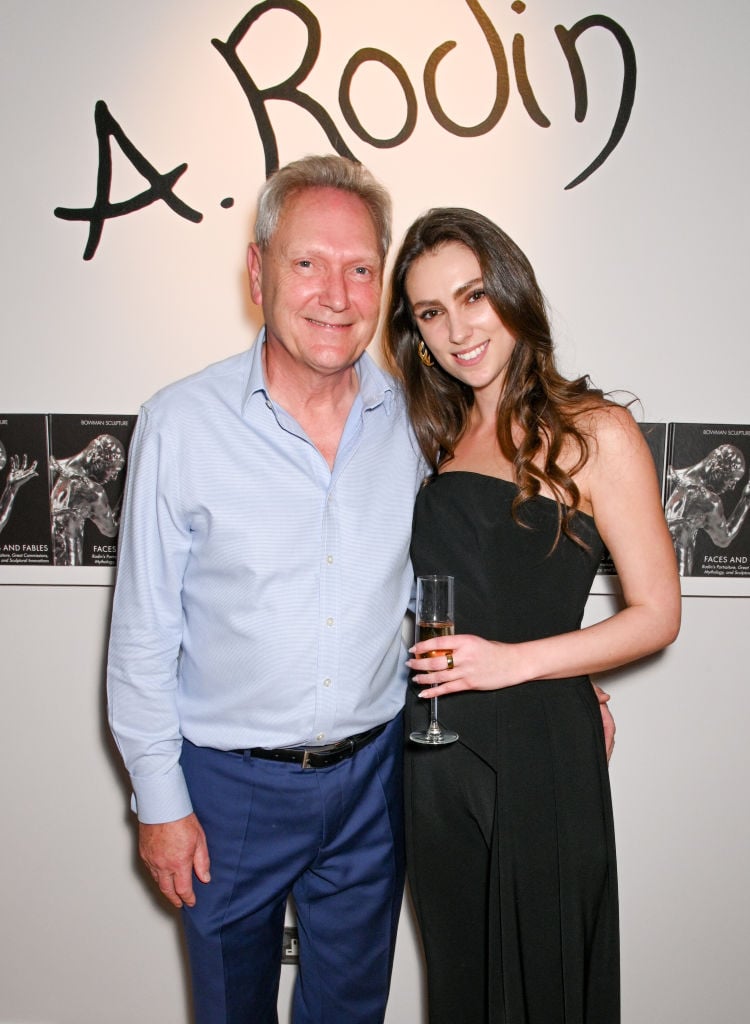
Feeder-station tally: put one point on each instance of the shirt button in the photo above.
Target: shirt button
(329, 621)
(320, 736)
(329, 559)
(326, 682)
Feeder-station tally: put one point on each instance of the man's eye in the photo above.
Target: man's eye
(304, 263)
(362, 271)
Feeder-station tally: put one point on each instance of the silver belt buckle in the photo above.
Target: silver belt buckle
(306, 759)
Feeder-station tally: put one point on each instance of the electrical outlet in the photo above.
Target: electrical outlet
(290, 950)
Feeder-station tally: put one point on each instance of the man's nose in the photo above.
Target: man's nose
(334, 293)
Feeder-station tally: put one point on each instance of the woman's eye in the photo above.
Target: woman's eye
(476, 295)
(428, 314)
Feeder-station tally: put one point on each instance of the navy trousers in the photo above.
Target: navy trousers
(332, 838)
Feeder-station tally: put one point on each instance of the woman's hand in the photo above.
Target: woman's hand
(469, 663)
(608, 721)
(449, 664)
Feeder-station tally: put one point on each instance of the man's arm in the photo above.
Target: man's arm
(144, 647)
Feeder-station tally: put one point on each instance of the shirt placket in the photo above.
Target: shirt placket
(328, 626)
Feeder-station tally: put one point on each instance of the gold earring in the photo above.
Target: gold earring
(424, 354)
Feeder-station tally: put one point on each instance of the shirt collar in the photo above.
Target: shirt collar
(256, 381)
(375, 386)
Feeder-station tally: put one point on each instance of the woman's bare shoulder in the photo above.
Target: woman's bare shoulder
(608, 424)
(615, 447)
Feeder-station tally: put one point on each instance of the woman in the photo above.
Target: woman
(510, 835)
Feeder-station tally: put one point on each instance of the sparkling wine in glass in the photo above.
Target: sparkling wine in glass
(434, 618)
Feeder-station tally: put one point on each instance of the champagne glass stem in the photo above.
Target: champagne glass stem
(433, 729)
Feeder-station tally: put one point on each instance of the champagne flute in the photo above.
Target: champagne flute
(434, 617)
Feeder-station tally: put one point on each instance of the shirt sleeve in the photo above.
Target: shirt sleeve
(146, 630)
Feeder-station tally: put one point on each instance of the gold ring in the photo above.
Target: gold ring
(449, 656)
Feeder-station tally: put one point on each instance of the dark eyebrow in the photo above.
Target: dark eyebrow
(461, 290)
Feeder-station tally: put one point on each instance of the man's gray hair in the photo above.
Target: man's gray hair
(322, 172)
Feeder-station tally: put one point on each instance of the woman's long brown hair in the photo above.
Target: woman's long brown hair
(536, 397)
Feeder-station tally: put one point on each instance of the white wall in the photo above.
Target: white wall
(644, 265)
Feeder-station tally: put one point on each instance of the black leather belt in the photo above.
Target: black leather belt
(317, 757)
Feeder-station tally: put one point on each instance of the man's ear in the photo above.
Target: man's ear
(254, 269)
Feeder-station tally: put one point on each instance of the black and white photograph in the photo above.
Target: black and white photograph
(86, 478)
(708, 498)
(24, 505)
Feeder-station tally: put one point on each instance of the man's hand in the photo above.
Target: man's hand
(172, 851)
(607, 721)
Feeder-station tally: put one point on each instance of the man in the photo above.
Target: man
(256, 668)
(78, 495)
(695, 504)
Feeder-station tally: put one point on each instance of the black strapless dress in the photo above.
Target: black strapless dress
(510, 835)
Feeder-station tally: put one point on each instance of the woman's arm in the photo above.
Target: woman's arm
(619, 483)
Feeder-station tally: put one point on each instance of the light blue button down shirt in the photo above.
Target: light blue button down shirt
(260, 595)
